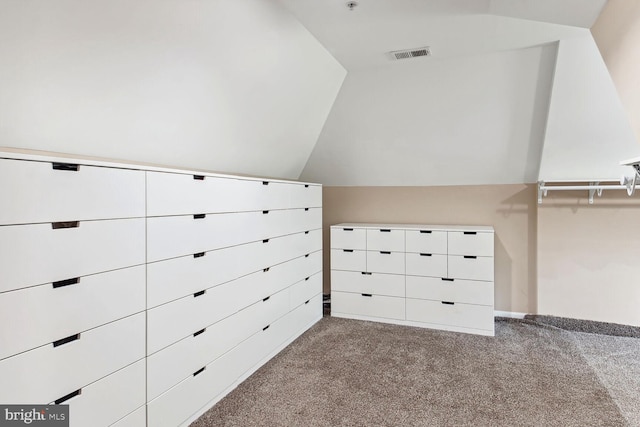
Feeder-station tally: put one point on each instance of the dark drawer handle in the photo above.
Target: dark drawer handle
(265, 182)
(425, 231)
(65, 224)
(265, 212)
(266, 299)
(306, 232)
(366, 273)
(470, 233)
(347, 250)
(448, 303)
(446, 279)
(198, 294)
(199, 254)
(65, 166)
(265, 241)
(425, 254)
(66, 340)
(68, 282)
(199, 216)
(347, 229)
(307, 278)
(266, 327)
(306, 186)
(367, 295)
(385, 230)
(264, 270)
(307, 255)
(470, 257)
(199, 371)
(201, 331)
(385, 252)
(63, 399)
(306, 209)
(198, 177)
(307, 301)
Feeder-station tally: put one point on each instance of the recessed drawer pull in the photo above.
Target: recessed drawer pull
(264, 270)
(448, 303)
(470, 233)
(198, 294)
(199, 216)
(307, 301)
(347, 250)
(65, 166)
(306, 186)
(199, 371)
(366, 273)
(446, 279)
(367, 295)
(425, 231)
(307, 278)
(265, 212)
(199, 254)
(266, 327)
(306, 209)
(198, 177)
(425, 254)
(385, 252)
(265, 241)
(306, 232)
(67, 282)
(63, 399)
(385, 230)
(347, 229)
(307, 256)
(266, 299)
(65, 224)
(265, 182)
(66, 340)
(470, 257)
(201, 331)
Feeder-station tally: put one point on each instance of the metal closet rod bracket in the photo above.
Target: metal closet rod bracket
(593, 188)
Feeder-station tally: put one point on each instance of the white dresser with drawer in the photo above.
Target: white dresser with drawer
(140, 296)
(431, 276)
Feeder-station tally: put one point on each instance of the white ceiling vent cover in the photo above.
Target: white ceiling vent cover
(410, 53)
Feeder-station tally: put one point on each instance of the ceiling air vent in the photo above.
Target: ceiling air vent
(410, 53)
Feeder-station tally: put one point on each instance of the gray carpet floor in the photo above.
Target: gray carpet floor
(352, 373)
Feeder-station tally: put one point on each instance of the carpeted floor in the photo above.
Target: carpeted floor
(352, 373)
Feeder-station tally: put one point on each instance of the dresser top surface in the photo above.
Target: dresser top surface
(436, 227)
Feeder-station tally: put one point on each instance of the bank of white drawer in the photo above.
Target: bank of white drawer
(306, 196)
(457, 314)
(348, 259)
(453, 290)
(305, 289)
(385, 262)
(473, 268)
(110, 399)
(369, 283)
(61, 370)
(385, 239)
(34, 192)
(43, 314)
(433, 265)
(61, 254)
(137, 418)
(368, 305)
(470, 243)
(348, 238)
(426, 241)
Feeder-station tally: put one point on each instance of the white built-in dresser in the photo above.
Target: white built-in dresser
(432, 276)
(141, 295)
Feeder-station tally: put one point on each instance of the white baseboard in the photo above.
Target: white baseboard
(511, 314)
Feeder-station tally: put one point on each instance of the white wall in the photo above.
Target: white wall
(233, 86)
(468, 120)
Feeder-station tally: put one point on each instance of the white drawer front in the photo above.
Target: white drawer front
(65, 368)
(137, 418)
(368, 305)
(305, 314)
(33, 192)
(426, 264)
(348, 259)
(305, 289)
(454, 290)
(284, 275)
(427, 241)
(385, 262)
(348, 238)
(46, 314)
(369, 283)
(111, 399)
(273, 195)
(61, 254)
(472, 268)
(385, 239)
(457, 314)
(470, 243)
(306, 196)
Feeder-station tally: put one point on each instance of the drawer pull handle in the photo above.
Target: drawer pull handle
(63, 399)
(470, 257)
(307, 255)
(265, 182)
(198, 294)
(265, 212)
(446, 279)
(266, 299)
(366, 273)
(264, 270)
(385, 252)
(307, 278)
(199, 216)
(198, 177)
(61, 283)
(65, 166)
(199, 371)
(385, 230)
(306, 186)
(307, 301)
(347, 250)
(448, 303)
(425, 254)
(306, 209)
(201, 331)
(306, 232)
(470, 233)
(367, 295)
(66, 340)
(266, 327)
(65, 224)
(347, 229)
(425, 231)
(199, 254)
(265, 241)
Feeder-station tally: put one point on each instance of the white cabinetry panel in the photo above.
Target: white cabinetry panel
(385, 239)
(426, 241)
(348, 238)
(369, 283)
(368, 305)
